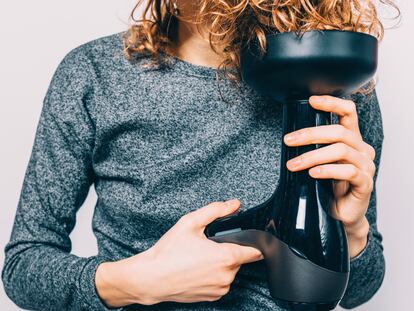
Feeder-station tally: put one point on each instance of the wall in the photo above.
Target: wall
(36, 35)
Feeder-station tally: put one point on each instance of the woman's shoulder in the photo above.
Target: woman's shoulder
(101, 54)
(82, 72)
(101, 49)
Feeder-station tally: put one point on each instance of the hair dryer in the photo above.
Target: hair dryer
(305, 249)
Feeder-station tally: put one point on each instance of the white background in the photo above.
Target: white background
(36, 35)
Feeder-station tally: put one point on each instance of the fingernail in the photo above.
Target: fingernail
(294, 162)
(316, 99)
(232, 201)
(290, 137)
(315, 170)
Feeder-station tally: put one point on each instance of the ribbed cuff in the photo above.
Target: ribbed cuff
(87, 285)
(367, 272)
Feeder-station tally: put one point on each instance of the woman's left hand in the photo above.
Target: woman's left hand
(348, 160)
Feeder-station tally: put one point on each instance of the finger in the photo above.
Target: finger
(244, 254)
(329, 134)
(344, 108)
(326, 134)
(331, 153)
(361, 182)
(210, 212)
(370, 151)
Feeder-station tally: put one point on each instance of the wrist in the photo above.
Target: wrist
(108, 285)
(357, 235)
(119, 283)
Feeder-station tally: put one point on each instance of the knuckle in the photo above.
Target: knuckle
(341, 130)
(227, 257)
(188, 220)
(349, 219)
(223, 290)
(227, 279)
(372, 152)
(369, 186)
(231, 261)
(343, 150)
(353, 172)
(350, 107)
(372, 168)
(369, 151)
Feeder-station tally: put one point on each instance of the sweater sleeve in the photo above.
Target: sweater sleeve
(367, 269)
(39, 272)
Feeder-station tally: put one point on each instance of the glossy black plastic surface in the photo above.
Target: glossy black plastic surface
(302, 218)
(297, 214)
(329, 62)
(289, 275)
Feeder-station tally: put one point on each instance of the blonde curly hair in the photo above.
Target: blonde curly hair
(234, 23)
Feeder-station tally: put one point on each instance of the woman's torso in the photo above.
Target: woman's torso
(166, 144)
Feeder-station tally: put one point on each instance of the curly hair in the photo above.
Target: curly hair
(234, 23)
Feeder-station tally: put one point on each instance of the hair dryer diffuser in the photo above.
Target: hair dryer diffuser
(305, 249)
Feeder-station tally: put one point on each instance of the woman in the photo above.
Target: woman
(167, 147)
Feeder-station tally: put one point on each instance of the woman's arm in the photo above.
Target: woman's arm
(39, 272)
(368, 268)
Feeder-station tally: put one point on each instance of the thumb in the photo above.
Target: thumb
(244, 254)
(210, 212)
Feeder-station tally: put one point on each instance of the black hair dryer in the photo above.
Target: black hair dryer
(305, 249)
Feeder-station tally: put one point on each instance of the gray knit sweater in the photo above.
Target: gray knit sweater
(156, 143)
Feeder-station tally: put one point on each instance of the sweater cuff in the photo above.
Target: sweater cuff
(367, 272)
(87, 285)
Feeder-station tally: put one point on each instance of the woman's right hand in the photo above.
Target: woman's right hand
(183, 266)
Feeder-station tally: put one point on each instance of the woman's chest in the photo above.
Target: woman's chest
(178, 147)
